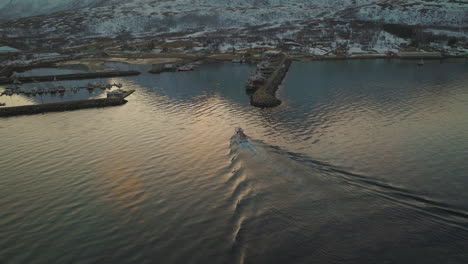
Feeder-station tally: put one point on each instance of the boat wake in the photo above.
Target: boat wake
(279, 193)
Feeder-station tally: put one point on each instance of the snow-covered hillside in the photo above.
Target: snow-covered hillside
(116, 17)
(24, 8)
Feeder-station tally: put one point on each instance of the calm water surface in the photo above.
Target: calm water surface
(364, 162)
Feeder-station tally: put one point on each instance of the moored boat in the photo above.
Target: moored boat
(8, 92)
(34, 91)
(185, 68)
(116, 93)
(52, 90)
(90, 87)
(61, 89)
(118, 85)
(256, 79)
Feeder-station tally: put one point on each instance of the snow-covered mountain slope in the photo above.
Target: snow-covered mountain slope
(24, 8)
(114, 17)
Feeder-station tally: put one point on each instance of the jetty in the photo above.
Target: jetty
(63, 106)
(420, 55)
(76, 76)
(264, 95)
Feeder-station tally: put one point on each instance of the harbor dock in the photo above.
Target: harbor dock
(60, 107)
(77, 76)
(63, 106)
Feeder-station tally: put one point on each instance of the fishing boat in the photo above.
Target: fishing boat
(240, 136)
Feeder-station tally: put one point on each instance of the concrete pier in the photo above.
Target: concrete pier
(59, 107)
(77, 76)
(264, 96)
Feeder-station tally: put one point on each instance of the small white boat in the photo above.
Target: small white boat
(185, 68)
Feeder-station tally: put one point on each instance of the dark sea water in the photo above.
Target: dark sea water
(364, 162)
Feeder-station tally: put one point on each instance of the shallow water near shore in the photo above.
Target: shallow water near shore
(364, 162)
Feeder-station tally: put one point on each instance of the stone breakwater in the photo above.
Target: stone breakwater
(265, 95)
(59, 107)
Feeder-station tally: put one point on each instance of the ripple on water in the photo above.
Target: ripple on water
(348, 169)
